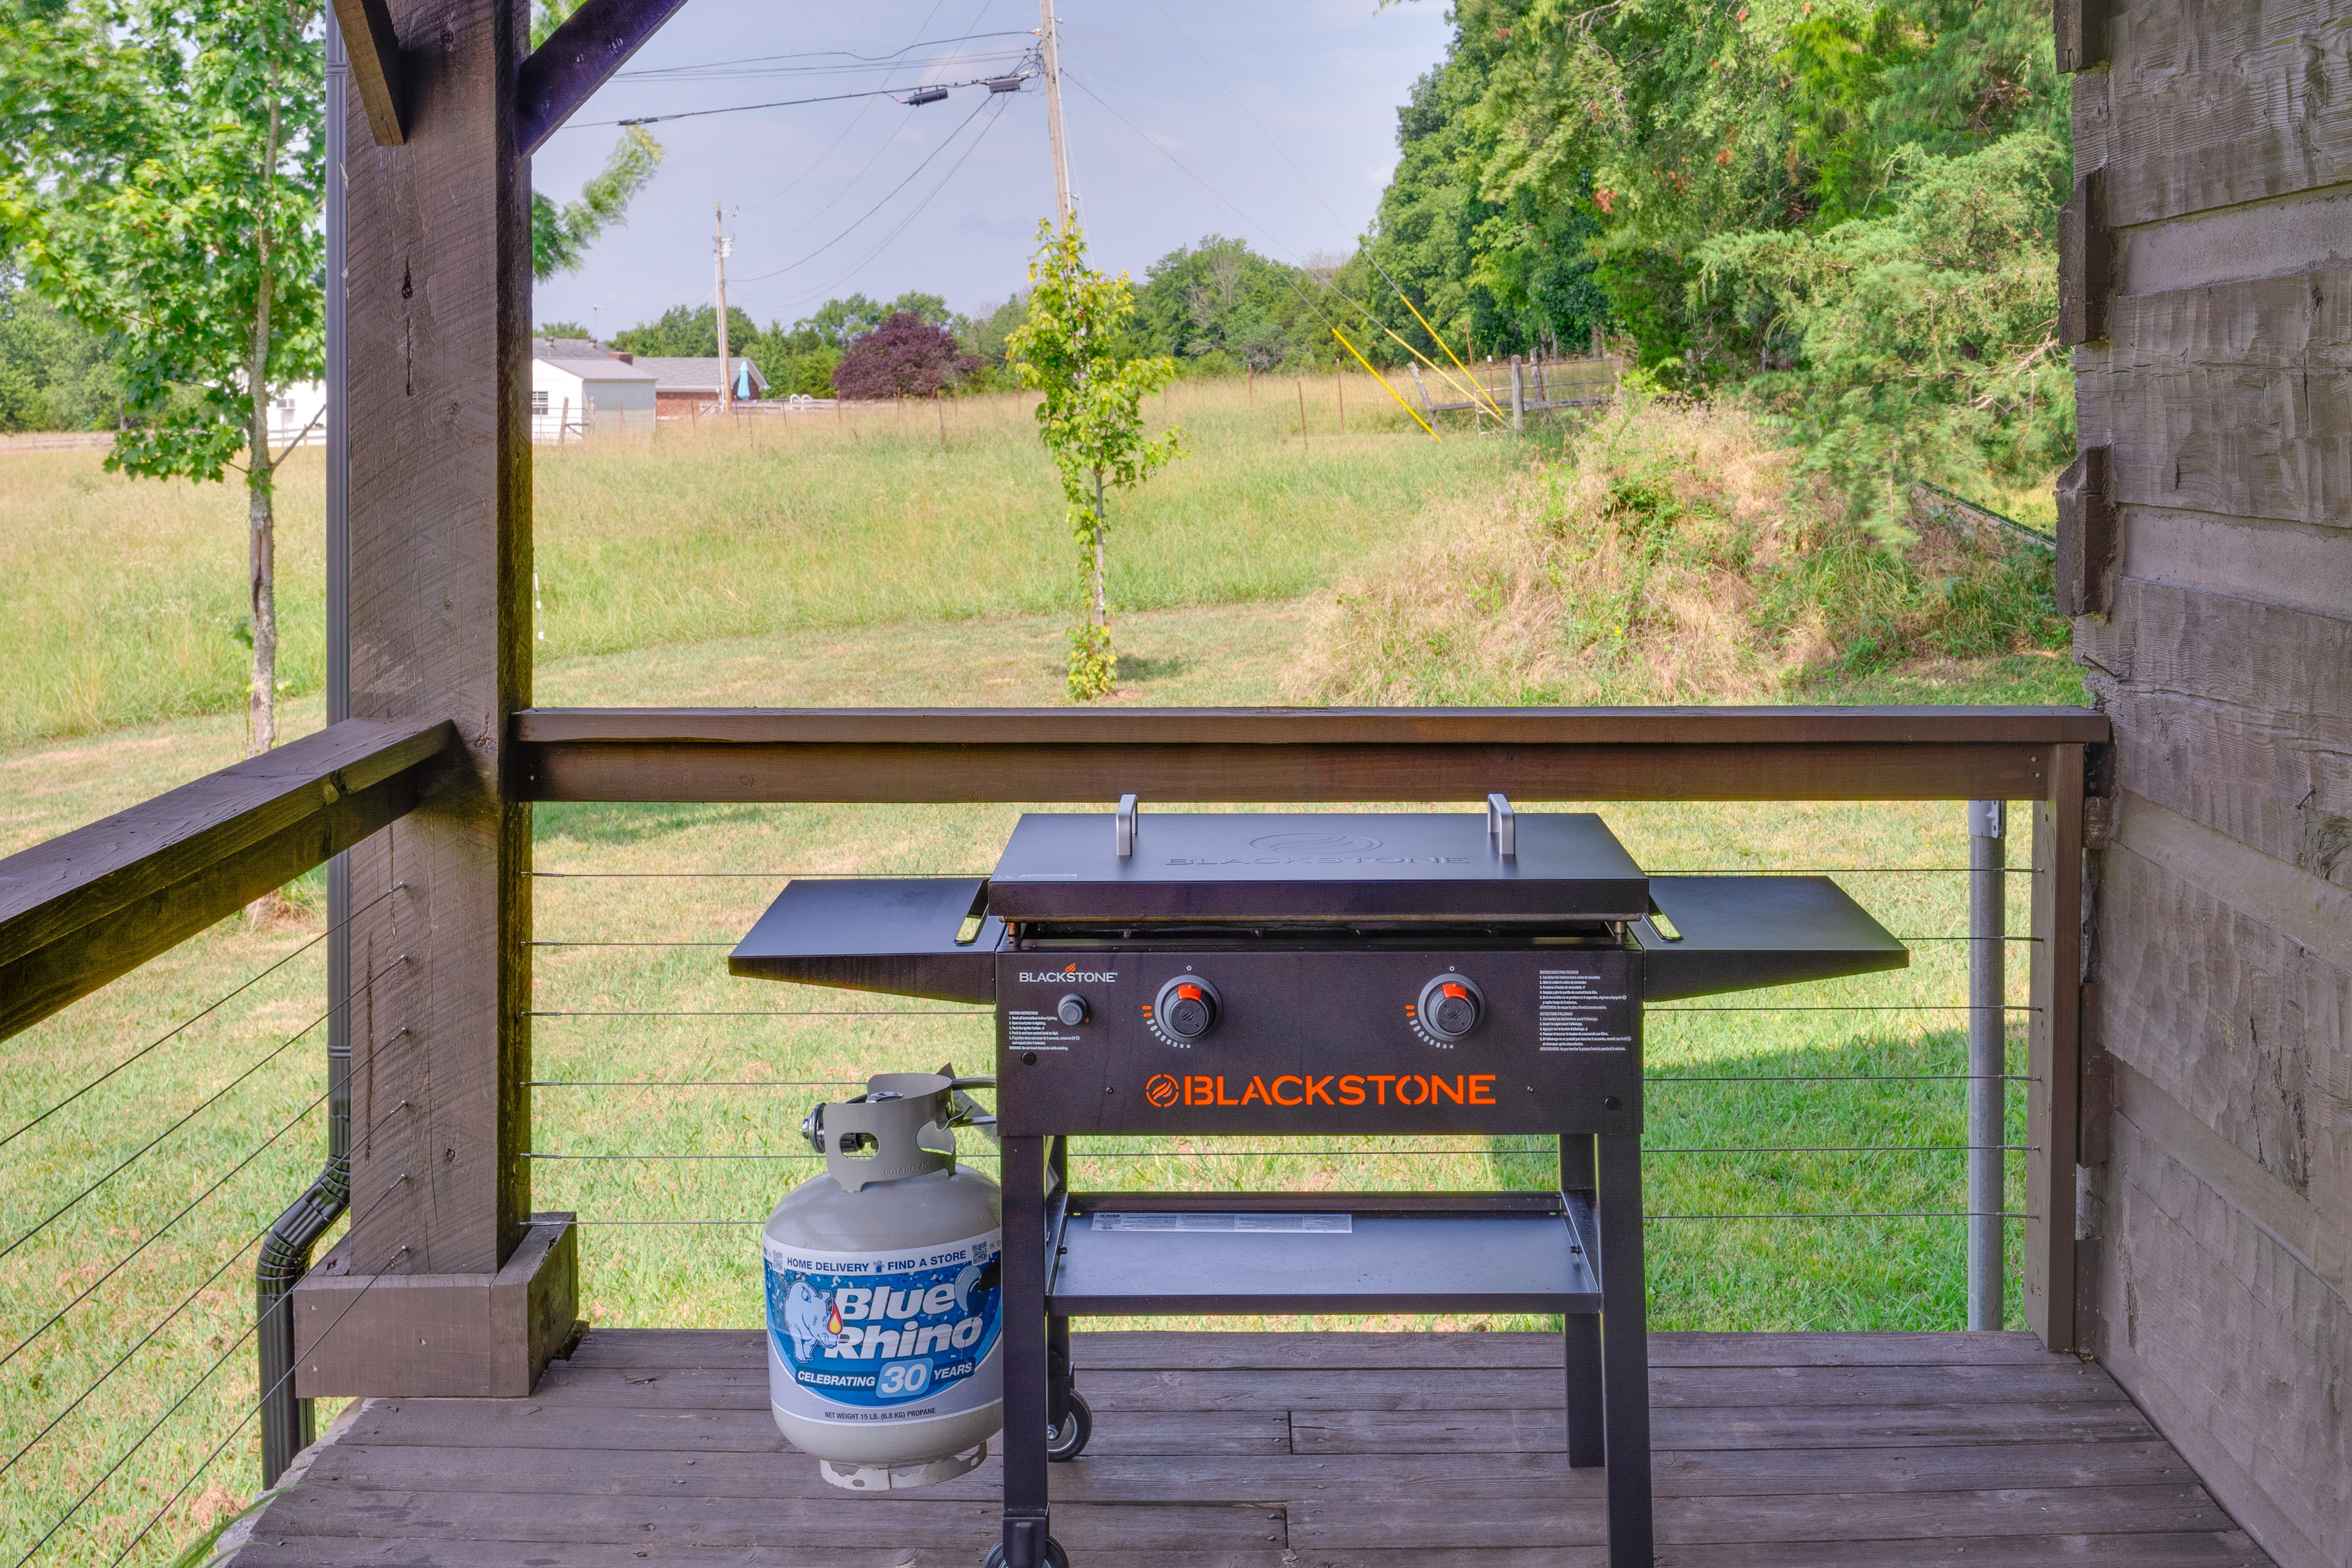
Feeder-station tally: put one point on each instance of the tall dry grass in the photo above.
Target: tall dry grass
(123, 600)
(1671, 555)
(927, 514)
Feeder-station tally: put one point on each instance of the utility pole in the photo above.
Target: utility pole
(1050, 57)
(718, 250)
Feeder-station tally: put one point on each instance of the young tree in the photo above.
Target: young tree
(903, 357)
(561, 233)
(160, 179)
(1091, 418)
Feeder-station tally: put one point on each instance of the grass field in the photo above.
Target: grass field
(849, 565)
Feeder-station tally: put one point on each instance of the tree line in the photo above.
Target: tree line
(1844, 214)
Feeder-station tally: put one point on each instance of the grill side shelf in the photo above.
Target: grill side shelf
(896, 936)
(1737, 933)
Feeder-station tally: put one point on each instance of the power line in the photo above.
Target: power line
(854, 120)
(944, 142)
(899, 93)
(676, 72)
(916, 212)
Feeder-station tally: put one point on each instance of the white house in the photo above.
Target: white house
(298, 413)
(579, 387)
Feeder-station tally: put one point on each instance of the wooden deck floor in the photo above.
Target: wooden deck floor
(1292, 1451)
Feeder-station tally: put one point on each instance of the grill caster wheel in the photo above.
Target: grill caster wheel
(1068, 1440)
(1055, 1556)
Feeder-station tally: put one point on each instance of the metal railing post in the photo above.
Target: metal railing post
(1519, 395)
(1987, 1059)
(288, 1422)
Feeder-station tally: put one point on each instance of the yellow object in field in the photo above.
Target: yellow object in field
(1384, 382)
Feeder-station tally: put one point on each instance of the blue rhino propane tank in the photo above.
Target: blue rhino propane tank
(884, 1307)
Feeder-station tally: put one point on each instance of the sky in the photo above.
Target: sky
(1271, 121)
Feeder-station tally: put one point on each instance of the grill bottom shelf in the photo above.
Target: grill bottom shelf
(1240, 1253)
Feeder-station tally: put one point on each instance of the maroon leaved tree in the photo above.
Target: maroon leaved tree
(903, 357)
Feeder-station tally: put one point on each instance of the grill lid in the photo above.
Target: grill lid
(1266, 866)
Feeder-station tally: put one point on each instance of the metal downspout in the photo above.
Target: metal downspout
(286, 1423)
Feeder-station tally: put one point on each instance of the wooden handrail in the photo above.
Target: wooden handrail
(90, 905)
(1302, 755)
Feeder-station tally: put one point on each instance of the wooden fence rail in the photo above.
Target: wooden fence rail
(99, 902)
(1292, 754)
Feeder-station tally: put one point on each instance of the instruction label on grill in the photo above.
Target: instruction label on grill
(884, 1336)
(1340, 1224)
(1029, 1030)
(1573, 1012)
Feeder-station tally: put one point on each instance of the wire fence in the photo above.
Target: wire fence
(143, 1181)
(1842, 1106)
(1801, 1151)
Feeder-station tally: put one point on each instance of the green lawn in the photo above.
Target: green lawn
(774, 574)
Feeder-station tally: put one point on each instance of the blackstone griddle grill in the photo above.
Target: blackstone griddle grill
(1319, 974)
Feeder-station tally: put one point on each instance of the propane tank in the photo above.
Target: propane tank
(885, 1304)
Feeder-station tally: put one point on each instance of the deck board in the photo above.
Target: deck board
(1292, 1451)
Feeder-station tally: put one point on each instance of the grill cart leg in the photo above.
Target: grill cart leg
(1625, 1353)
(1025, 1506)
(1061, 1398)
(1580, 1333)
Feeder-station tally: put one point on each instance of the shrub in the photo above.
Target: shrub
(903, 357)
(1675, 555)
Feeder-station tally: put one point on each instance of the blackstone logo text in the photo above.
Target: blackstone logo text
(1094, 976)
(1166, 1089)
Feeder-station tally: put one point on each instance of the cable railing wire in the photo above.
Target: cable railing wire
(1546, 1150)
(282, 1048)
(165, 1322)
(1840, 1077)
(1844, 1214)
(890, 876)
(1810, 1214)
(204, 1377)
(179, 1029)
(157, 1234)
(1657, 1077)
(205, 1463)
(764, 1013)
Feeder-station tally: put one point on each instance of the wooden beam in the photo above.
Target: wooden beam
(2054, 1055)
(438, 270)
(578, 58)
(2087, 257)
(374, 55)
(2086, 535)
(1322, 755)
(95, 903)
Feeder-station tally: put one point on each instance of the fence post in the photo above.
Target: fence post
(2053, 1057)
(1987, 1059)
(1518, 397)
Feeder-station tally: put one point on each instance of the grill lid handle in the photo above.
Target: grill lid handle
(1123, 827)
(1502, 825)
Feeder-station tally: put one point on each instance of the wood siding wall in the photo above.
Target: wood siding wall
(2217, 1250)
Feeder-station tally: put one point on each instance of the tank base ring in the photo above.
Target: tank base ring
(858, 1478)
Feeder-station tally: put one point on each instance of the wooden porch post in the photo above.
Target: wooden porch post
(2053, 1053)
(444, 1285)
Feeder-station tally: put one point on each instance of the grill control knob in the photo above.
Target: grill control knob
(1071, 1009)
(1187, 1008)
(1451, 1006)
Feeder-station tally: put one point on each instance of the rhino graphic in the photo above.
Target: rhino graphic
(810, 1320)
